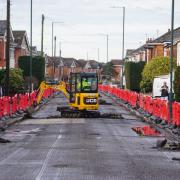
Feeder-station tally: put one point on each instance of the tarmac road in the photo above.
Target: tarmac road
(83, 149)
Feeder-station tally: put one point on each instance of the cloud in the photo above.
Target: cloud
(91, 17)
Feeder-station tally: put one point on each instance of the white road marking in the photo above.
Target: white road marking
(53, 121)
(48, 156)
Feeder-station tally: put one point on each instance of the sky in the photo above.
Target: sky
(84, 24)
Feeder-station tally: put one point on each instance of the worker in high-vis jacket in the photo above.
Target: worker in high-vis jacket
(85, 85)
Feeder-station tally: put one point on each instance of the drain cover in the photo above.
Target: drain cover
(146, 131)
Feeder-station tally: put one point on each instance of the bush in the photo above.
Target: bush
(177, 84)
(38, 68)
(16, 81)
(133, 74)
(156, 67)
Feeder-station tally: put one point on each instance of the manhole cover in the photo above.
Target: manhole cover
(146, 131)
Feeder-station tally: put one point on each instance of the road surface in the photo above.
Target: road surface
(49, 148)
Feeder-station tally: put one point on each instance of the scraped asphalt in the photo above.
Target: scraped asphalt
(49, 148)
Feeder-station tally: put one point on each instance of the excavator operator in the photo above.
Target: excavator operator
(85, 85)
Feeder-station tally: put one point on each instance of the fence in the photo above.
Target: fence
(11, 105)
(154, 106)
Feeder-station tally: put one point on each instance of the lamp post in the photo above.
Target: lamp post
(123, 40)
(42, 36)
(171, 62)
(30, 62)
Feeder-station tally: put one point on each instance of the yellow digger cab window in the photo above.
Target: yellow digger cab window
(89, 84)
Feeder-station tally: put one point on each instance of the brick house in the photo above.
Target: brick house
(52, 64)
(81, 63)
(21, 45)
(67, 65)
(92, 66)
(3, 27)
(155, 48)
(62, 67)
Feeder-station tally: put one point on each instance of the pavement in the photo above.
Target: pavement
(49, 148)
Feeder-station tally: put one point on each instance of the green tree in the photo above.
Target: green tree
(156, 67)
(16, 81)
(108, 71)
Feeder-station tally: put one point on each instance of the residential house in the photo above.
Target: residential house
(81, 64)
(52, 67)
(161, 45)
(21, 45)
(3, 32)
(67, 65)
(156, 48)
(60, 68)
(92, 66)
(35, 52)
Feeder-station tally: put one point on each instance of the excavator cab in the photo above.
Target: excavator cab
(84, 91)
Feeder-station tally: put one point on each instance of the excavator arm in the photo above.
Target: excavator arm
(58, 87)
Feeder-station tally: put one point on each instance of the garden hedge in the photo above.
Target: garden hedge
(38, 67)
(177, 84)
(133, 74)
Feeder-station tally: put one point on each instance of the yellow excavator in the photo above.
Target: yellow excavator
(81, 92)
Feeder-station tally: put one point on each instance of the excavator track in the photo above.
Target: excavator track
(67, 112)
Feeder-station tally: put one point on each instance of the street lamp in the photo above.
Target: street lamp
(171, 62)
(30, 63)
(123, 37)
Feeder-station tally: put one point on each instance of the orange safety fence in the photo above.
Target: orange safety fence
(154, 106)
(11, 105)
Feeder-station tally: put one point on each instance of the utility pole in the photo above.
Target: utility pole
(55, 46)
(7, 49)
(54, 56)
(60, 51)
(42, 36)
(171, 63)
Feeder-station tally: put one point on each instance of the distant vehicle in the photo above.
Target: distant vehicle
(158, 83)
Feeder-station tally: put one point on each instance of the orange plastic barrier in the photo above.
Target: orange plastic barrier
(156, 107)
(10, 105)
